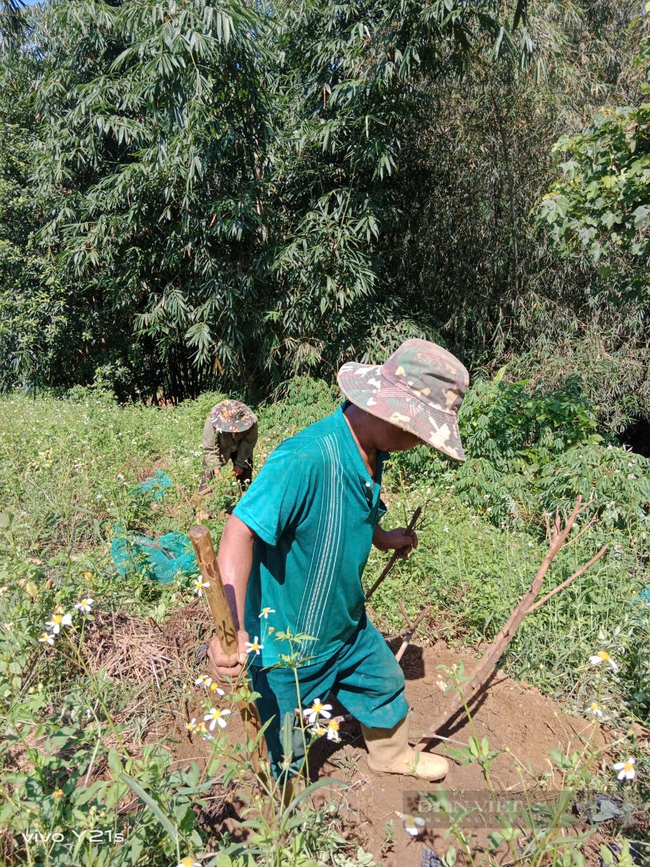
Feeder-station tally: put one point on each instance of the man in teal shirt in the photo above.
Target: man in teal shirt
(293, 553)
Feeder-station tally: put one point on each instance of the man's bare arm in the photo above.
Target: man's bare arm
(235, 560)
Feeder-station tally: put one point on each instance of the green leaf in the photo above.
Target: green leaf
(305, 794)
(114, 762)
(152, 805)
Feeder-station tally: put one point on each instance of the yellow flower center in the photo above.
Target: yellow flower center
(628, 766)
(57, 795)
(595, 706)
(56, 619)
(187, 862)
(333, 724)
(603, 655)
(317, 706)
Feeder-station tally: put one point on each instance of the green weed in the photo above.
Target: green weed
(69, 471)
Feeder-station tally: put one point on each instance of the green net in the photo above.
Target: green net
(162, 559)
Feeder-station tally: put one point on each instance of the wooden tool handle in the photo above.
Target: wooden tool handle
(215, 593)
(411, 526)
(227, 634)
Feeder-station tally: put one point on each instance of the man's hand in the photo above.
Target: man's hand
(401, 540)
(238, 471)
(224, 666)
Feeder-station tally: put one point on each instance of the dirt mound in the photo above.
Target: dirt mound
(518, 720)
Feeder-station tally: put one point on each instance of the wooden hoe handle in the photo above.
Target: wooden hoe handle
(226, 632)
(215, 593)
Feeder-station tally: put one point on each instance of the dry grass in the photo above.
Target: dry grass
(129, 649)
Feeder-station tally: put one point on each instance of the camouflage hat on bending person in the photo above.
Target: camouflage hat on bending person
(419, 389)
(232, 416)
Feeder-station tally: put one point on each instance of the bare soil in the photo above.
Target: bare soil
(517, 720)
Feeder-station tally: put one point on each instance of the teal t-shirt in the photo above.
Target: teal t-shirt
(314, 508)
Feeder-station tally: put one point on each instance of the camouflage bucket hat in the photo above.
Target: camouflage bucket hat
(419, 389)
(232, 416)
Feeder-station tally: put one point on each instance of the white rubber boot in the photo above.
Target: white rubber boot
(389, 753)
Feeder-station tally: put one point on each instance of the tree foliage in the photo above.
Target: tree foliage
(602, 201)
(225, 194)
(597, 216)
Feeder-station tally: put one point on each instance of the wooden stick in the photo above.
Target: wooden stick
(495, 651)
(393, 559)
(409, 635)
(226, 632)
(568, 581)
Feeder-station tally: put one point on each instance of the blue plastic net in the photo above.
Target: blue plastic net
(155, 486)
(161, 560)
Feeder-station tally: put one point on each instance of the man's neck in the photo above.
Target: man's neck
(357, 421)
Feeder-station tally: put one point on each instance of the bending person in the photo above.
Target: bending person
(229, 433)
(294, 550)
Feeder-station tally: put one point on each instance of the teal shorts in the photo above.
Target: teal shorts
(363, 675)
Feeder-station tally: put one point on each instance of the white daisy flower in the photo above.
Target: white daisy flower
(189, 861)
(318, 730)
(333, 731)
(214, 688)
(317, 709)
(46, 638)
(203, 681)
(595, 709)
(254, 645)
(191, 725)
(413, 825)
(442, 686)
(59, 620)
(215, 716)
(85, 605)
(266, 611)
(603, 656)
(625, 769)
(199, 584)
